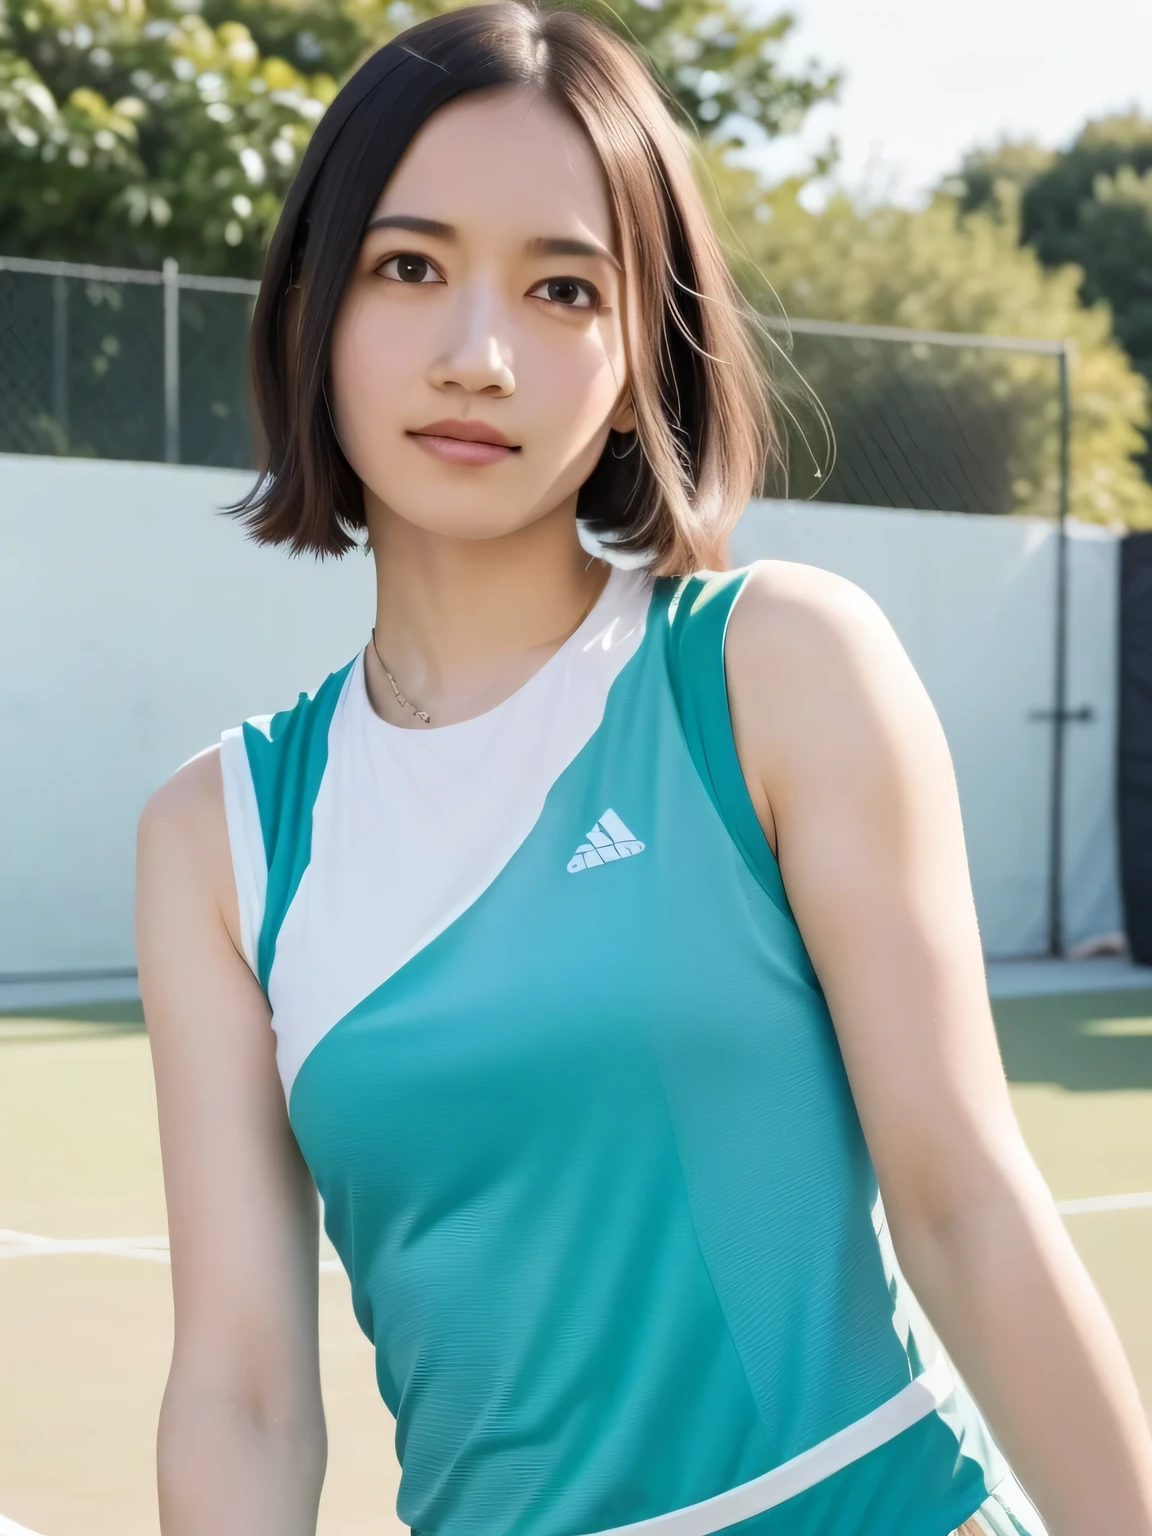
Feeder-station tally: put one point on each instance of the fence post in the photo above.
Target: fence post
(1060, 680)
(171, 361)
(60, 353)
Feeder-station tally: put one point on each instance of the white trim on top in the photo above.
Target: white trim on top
(911, 1404)
(10, 1528)
(245, 837)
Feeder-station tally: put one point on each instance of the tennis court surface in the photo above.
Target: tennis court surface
(85, 1311)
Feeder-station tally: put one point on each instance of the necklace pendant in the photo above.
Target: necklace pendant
(400, 699)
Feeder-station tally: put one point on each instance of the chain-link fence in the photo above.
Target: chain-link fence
(109, 363)
(928, 420)
(103, 362)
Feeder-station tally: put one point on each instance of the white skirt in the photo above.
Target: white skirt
(1008, 1511)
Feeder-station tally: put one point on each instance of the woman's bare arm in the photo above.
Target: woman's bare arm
(241, 1443)
(851, 773)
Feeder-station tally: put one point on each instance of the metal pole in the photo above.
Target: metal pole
(60, 354)
(171, 361)
(1060, 680)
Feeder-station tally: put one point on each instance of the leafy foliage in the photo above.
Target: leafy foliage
(723, 70)
(132, 130)
(941, 269)
(1090, 205)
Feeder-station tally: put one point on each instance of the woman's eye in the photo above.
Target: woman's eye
(410, 268)
(566, 292)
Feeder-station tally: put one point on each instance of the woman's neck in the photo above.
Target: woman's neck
(462, 623)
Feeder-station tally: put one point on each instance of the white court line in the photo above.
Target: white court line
(19, 1245)
(14, 1245)
(1105, 1203)
(30, 1244)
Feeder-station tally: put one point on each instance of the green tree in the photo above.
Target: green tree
(132, 130)
(722, 68)
(1090, 205)
(941, 269)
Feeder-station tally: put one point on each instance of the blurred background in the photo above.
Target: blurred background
(942, 218)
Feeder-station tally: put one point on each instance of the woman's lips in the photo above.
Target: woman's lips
(454, 450)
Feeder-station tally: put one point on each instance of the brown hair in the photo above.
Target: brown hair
(700, 389)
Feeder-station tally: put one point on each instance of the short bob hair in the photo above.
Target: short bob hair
(700, 388)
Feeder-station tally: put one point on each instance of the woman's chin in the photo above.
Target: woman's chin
(479, 523)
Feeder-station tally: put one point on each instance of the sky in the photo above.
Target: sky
(925, 80)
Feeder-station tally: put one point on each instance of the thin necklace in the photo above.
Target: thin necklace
(422, 714)
(404, 703)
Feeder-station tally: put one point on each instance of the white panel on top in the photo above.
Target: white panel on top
(411, 826)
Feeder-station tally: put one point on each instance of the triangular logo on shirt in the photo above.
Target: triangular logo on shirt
(609, 839)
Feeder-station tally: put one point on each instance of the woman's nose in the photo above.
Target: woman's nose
(478, 351)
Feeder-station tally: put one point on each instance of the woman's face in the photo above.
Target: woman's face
(487, 292)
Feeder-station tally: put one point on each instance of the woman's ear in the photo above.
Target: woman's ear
(625, 418)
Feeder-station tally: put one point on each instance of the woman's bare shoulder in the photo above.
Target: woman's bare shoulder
(190, 796)
(812, 660)
(183, 835)
(785, 603)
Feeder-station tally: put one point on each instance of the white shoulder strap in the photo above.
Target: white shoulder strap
(246, 838)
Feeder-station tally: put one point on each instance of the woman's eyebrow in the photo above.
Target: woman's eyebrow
(540, 245)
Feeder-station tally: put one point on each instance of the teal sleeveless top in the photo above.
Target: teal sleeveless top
(562, 1070)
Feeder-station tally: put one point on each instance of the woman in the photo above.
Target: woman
(597, 944)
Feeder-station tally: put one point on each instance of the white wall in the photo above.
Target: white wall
(972, 599)
(136, 623)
